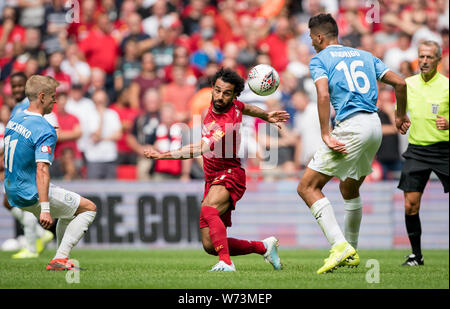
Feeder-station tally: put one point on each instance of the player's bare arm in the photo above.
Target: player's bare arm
(323, 105)
(272, 117)
(43, 184)
(402, 121)
(187, 152)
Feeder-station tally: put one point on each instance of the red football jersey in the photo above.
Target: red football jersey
(221, 131)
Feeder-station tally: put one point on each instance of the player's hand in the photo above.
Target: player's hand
(402, 123)
(151, 153)
(278, 116)
(46, 220)
(334, 144)
(441, 123)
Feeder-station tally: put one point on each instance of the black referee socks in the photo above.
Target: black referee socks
(414, 229)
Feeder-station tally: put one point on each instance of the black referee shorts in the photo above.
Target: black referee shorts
(420, 162)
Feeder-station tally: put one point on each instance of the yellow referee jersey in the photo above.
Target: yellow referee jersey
(426, 100)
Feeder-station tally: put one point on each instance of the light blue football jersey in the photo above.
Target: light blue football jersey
(29, 139)
(20, 107)
(352, 78)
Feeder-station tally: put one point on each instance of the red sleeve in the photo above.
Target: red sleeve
(239, 105)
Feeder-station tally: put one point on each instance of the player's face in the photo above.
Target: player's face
(49, 99)
(316, 40)
(428, 60)
(18, 88)
(222, 95)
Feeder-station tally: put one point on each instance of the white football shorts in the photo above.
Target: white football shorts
(361, 135)
(63, 203)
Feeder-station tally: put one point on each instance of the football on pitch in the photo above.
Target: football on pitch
(263, 79)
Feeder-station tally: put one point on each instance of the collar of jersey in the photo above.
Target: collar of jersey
(431, 80)
(31, 113)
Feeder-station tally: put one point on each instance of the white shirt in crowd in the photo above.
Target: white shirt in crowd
(104, 150)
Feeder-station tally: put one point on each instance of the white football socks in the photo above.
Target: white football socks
(324, 214)
(31, 227)
(352, 220)
(73, 233)
(61, 226)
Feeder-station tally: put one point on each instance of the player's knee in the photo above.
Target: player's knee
(411, 208)
(303, 188)
(86, 205)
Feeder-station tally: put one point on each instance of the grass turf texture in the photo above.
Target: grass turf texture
(189, 269)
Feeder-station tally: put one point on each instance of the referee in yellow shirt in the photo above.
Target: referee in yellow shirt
(428, 148)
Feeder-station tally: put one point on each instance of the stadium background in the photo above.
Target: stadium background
(153, 59)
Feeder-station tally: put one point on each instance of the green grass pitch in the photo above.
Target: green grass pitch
(188, 269)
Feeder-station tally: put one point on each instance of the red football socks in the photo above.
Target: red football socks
(242, 247)
(217, 232)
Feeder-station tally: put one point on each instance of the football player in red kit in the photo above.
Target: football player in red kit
(224, 176)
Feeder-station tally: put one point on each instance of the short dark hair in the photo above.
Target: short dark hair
(19, 74)
(325, 23)
(232, 77)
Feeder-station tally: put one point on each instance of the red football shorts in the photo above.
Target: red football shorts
(233, 180)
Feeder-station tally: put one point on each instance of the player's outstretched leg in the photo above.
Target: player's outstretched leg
(76, 228)
(268, 248)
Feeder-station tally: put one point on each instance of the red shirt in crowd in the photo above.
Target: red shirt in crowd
(67, 122)
(101, 50)
(65, 82)
(127, 116)
(17, 34)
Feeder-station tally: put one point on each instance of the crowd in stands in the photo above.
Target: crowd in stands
(134, 73)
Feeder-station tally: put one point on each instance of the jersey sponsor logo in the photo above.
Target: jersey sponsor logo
(435, 108)
(46, 149)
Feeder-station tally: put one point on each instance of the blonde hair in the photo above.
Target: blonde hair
(37, 84)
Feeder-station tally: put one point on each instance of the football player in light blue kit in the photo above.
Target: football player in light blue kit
(29, 146)
(346, 78)
(36, 237)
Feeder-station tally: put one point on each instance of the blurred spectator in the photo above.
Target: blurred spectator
(104, 131)
(127, 114)
(143, 133)
(68, 160)
(352, 22)
(163, 50)
(73, 65)
(406, 69)
(33, 48)
(208, 51)
(32, 13)
(283, 141)
(128, 67)
(249, 51)
(178, 92)
(205, 81)
(206, 31)
(181, 58)
(169, 136)
(82, 107)
(388, 154)
(159, 18)
(192, 14)
(10, 33)
(98, 82)
(298, 59)
(146, 79)
(78, 31)
(54, 70)
(307, 126)
(134, 32)
(55, 26)
(99, 47)
(276, 44)
(403, 51)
